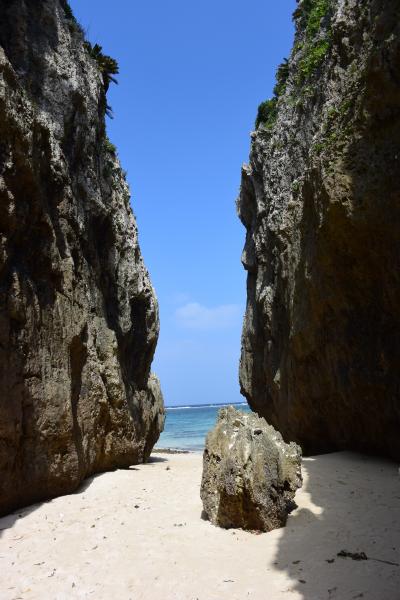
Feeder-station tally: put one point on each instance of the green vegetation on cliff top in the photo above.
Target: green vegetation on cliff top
(267, 111)
(315, 46)
(68, 11)
(107, 65)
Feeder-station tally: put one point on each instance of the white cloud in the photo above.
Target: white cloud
(179, 298)
(195, 316)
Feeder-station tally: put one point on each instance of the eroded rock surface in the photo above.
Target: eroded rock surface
(320, 200)
(250, 476)
(78, 315)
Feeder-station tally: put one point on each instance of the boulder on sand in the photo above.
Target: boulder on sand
(250, 475)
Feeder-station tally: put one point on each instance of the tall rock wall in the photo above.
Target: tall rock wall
(320, 200)
(78, 315)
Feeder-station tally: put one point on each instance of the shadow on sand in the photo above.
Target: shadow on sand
(156, 459)
(352, 504)
(8, 521)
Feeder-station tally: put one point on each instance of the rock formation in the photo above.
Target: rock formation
(320, 200)
(250, 476)
(78, 315)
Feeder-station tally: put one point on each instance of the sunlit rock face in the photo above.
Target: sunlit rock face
(320, 199)
(250, 476)
(78, 315)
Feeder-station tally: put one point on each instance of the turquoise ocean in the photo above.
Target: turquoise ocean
(186, 427)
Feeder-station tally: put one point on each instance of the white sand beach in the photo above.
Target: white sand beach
(138, 534)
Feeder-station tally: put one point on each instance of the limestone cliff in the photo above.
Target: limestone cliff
(78, 315)
(320, 200)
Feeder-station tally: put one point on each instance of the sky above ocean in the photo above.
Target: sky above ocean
(191, 77)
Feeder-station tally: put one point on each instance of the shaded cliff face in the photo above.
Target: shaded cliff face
(78, 315)
(320, 200)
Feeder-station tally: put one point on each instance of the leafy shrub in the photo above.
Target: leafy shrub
(302, 11)
(73, 24)
(310, 13)
(315, 48)
(109, 147)
(108, 66)
(313, 58)
(282, 74)
(267, 112)
(318, 10)
(68, 11)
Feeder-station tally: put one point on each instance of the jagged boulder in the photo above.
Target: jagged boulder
(78, 314)
(250, 476)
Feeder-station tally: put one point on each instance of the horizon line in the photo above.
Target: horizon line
(206, 404)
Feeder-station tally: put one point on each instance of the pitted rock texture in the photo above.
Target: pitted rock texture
(78, 315)
(250, 476)
(320, 200)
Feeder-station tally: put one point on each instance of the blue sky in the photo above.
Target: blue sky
(191, 77)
